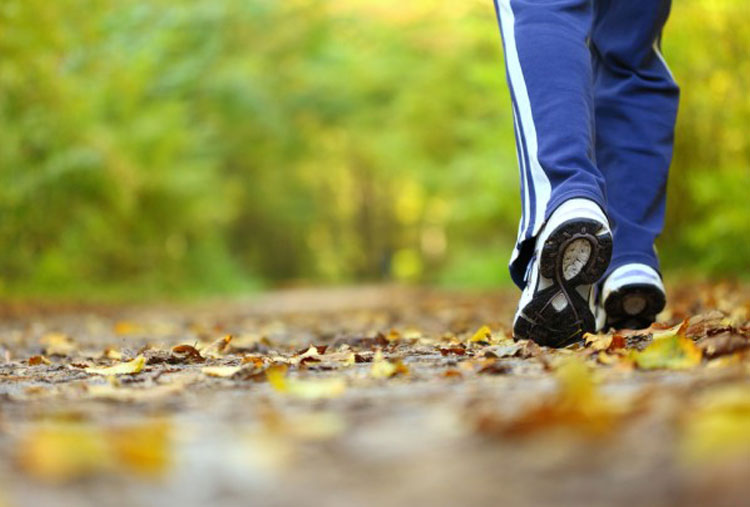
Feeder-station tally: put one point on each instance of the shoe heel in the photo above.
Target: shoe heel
(620, 316)
(567, 243)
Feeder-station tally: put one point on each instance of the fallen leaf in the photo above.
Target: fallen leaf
(129, 368)
(220, 371)
(312, 354)
(382, 368)
(62, 452)
(494, 367)
(528, 349)
(722, 344)
(576, 405)
(452, 374)
(249, 342)
(217, 347)
(111, 353)
(658, 332)
(37, 360)
(315, 426)
(483, 334)
(718, 426)
(143, 448)
(707, 324)
(457, 351)
(255, 360)
(393, 335)
(186, 353)
(125, 327)
(671, 350)
(309, 389)
(506, 350)
(58, 344)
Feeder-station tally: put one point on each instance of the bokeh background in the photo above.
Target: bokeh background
(190, 147)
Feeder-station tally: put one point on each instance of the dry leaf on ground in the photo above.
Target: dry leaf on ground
(128, 368)
(310, 389)
(61, 452)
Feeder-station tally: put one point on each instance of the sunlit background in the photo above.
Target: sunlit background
(190, 147)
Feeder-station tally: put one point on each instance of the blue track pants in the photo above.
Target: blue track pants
(594, 106)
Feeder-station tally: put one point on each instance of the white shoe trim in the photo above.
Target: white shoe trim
(631, 274)
(571, 209)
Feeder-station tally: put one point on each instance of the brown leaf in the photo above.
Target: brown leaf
(37, 360)
(186, 354)
(528, 349)
(722, 344)
(494, 367)
(452, 374)
(457, 351)
(707, 324)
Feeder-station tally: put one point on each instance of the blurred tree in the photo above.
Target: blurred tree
(203, 145)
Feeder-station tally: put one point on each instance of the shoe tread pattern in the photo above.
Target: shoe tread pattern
(617, 318)
(539, 320)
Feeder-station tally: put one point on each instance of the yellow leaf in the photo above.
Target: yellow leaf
(142, 449)
(670, 351)
(220, 371)
(483, 334)
(577, 405)
(110, 353)
(124, 327)
(62, 452)
(304, 426)
(382, 368)
(312, 389)
(670, 332)
(597, 341)
(393, 335)
(58, 344)
(349, 360)
(129, 368)
(719, 426)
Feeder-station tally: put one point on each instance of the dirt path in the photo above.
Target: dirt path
(371, 396)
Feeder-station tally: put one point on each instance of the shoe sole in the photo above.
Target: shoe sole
(634, 306)
(540, 321)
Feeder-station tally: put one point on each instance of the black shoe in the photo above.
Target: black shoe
(633, 295)
(573, 252)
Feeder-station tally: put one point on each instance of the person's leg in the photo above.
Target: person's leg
(549, 72)
(564, 242)
(635, 109)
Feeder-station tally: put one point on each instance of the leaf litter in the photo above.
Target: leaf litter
(284, 386)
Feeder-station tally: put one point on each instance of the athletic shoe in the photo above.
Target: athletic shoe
(632, 296)
(572, 252)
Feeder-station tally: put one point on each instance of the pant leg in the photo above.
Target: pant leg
(549, 70)
(636, 107)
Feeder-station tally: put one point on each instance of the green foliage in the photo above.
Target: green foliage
(203, 145)
(708, 223)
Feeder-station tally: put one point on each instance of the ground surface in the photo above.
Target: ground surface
(404, 399)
